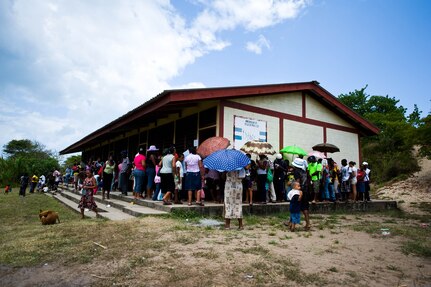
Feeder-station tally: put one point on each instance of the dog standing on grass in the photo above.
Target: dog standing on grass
(48, 217)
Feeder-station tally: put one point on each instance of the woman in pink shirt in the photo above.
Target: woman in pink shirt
(139, 173)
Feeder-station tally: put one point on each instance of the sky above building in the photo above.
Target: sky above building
(68, 68)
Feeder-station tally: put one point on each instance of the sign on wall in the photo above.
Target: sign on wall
(246, 129)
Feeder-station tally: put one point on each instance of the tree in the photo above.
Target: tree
(424, 137)
(25, 156)
(391, 150)
(70, 161)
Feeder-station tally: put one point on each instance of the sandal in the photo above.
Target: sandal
(167, 202)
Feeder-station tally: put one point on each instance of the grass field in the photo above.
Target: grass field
(340, 250)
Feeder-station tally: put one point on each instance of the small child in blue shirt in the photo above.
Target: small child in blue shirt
(295, 196)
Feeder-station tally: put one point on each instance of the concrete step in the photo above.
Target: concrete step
(71, 200)
(216, 209)
(121, 203)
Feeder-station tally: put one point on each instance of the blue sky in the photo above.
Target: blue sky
(69, 67)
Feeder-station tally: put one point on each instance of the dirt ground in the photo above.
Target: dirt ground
(340, 250)
(333, 253)
(412, 193)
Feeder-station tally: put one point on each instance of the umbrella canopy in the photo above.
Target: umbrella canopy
(326, 147)
(258, 147)
(317, 154)
(211, 145)
(226, 160)
(293, 149)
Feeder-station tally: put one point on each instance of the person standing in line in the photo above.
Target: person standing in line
(124, 179)
(233, 198)
(195, 175)
(262, 167)
(353, 179)
(107, 176)
(345, 180)
(167, 171)
(314, 172)
(367, 181)
(360, 185)
(280, 169)
(139, 173)
(150, 170)
(179, 174)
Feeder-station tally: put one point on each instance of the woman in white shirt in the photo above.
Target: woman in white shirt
(167, 171)
(194, 176)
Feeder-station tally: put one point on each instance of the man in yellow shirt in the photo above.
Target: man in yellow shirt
(34, 180)
(314, 170)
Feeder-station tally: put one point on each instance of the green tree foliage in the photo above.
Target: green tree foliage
(389, 152)
(25, 156)
(70, 161)
(424, 137)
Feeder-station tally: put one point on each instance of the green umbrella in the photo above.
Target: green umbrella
(293, 149)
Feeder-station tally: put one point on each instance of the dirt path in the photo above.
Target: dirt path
(413, 194)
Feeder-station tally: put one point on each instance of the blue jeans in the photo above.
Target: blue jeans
(150, 172)
(139, 180)
(326, 188)
(156, 192)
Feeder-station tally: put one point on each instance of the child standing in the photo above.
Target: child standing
(295, 196)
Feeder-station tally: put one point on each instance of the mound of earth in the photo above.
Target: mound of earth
(413, 194)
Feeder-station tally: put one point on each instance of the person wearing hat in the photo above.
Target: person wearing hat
(150, 173)
(367, 181)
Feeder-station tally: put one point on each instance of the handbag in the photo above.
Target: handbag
(83, 191)
(269, 175)
(160, 196)
(202, 194)
(157, 179)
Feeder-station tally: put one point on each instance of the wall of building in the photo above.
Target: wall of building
(297, 132)
(272, 124)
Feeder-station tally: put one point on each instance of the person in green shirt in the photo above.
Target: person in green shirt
(314, 170)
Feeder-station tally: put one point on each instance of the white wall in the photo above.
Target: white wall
(316, 111)
(302, 135)
(348, 144)
(289, 103)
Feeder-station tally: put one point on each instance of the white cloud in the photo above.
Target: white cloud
(89, 62)
(256, 47)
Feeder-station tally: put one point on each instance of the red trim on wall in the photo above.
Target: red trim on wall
(281, 133)
(280, 115)
(221, 118)
(304, 105)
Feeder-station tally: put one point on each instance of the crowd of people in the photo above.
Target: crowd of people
(180, 178)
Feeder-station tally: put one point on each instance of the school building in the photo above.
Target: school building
(302, 114)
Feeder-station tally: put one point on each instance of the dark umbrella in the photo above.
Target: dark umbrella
(226, 160)
(211, 145)
(326, 147)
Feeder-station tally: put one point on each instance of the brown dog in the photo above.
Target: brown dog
(48, 217)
